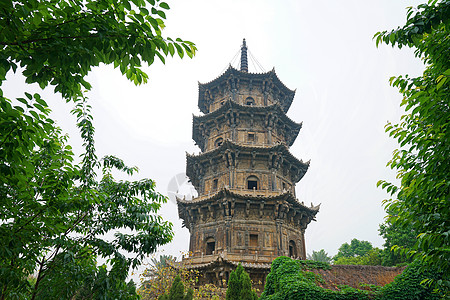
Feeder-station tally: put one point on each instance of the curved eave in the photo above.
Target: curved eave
(229, 104)
(220, 194)
(220, 261)
(227, 144)
(232, 72)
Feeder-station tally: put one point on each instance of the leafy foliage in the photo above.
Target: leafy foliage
(240, 286)
(396, 236)
(55, 213)
(58, 43)
(159, 265)
(370, 258)
(422, 163)
(407, 286)
(321, 256)
(311, 264)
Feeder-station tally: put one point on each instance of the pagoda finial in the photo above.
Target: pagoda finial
(244, 62)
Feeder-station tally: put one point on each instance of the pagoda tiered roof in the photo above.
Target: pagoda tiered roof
(285, 195)
(231, 105)
(232, 73)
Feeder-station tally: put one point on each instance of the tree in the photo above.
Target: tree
(240, 286)
(422, 199)
(370, 258)
(357, 253)
(159, 265)
(177, 290)
(354, 249)
(321, 256)
(396, 236)
(54, 213)
(235, 284)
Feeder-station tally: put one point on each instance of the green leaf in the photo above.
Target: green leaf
(164, 5)
(171, 49)
(161, 14)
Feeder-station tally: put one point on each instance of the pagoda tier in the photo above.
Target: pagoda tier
(248, 124)
(263, 88)
(222, 203)
(244, 226)
(258, 168)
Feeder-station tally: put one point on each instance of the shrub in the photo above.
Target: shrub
(407, 286)
(177, 291)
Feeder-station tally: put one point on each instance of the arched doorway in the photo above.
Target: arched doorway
(292, 249)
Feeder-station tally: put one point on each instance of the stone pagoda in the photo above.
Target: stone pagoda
(246, 210)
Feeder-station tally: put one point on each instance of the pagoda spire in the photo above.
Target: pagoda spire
(244, 62)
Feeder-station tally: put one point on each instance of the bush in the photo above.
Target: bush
(177, 292)
(407, 286)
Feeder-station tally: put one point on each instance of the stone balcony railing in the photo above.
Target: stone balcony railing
(204, 259)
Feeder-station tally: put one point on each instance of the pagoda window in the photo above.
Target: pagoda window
(284, 186)
(253, 240)
(210, 246)
(292, 249)
(218, 142)
(252, 183)
(215, 184)
(251, 137)
(249, 101)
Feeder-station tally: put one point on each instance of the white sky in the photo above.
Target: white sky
(324, 49)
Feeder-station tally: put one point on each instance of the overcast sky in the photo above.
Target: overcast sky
(323, 49)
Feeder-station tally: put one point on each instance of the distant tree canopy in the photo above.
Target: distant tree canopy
(355, 248)
(357, 253)
(422, 199)
(320, 256)
(55, 213)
